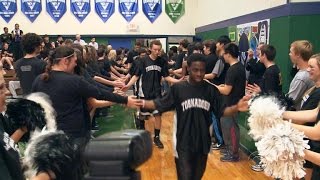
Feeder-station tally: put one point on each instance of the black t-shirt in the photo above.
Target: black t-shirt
(131, 56)
(27, 70)
(68, 94)
(315, 146)
(104, 67)
(180, 59)
(211, 60)
(235, 77)
(150, 73)
(311, 100)
(4, 51)
(10, 168)
(271, 80)
(6, 38)
(193, 105)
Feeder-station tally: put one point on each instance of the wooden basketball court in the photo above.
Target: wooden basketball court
(161, 165)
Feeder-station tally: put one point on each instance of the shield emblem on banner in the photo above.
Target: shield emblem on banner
(6, 4)
(80, 4)
(31, 4)
(55, 4)
(128, 5)
(104, 5)
(176, 4)
(153, 4)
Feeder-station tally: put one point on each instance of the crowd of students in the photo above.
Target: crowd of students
(209, 86)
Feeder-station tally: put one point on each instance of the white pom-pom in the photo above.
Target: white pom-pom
(45, 102)
(281, 150)
(265, 113)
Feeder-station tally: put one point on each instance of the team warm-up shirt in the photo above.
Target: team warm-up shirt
(193, 105)
(236, 77)
(271, 80)
(27, 70)
(151, 72)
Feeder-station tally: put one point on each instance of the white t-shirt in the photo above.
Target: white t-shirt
(81, 42)
(95, 45)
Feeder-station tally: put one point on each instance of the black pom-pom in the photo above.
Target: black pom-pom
(53, 152)
(25, 113)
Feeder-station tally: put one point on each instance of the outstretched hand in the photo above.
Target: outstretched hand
(125, 88)
(133, 102)
(243, 104)
(118, 83)
(255, 89)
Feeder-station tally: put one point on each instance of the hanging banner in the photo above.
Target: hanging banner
(152, 9)
(104, 8)
(7, 9)
(128, 9)
(56, 8)
(175, 9)
(80, 8)
(31, 8)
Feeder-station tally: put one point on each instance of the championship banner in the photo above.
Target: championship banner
(80, 8)
(128, 9)
(31, 8)
(7, 9)
(104, 8)
(56, 8)
(152, 9)
(175, 9)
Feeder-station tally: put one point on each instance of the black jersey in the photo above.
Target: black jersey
(271, 80)
(151, 72)
(193, 105)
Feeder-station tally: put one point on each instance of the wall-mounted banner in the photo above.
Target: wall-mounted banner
(80, 8)
(128, 9)
(31, 8)
(175, 9)
(152, 9)
(104, 8)
(7, 9)
(56, 8)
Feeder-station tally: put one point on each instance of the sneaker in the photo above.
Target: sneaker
(229, 158)
(157, 142)
(257, 167)
(95, 128)
(223, 151)
(216, 146)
